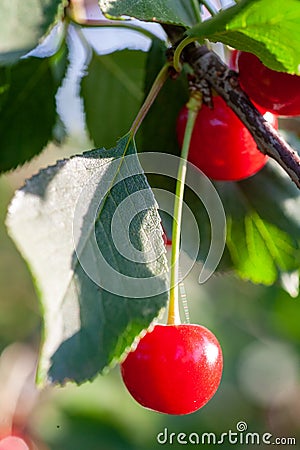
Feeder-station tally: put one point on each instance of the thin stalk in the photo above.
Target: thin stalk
(156, 87)
(178, 50)
(196, 8)
(173, 311)
(96, 23)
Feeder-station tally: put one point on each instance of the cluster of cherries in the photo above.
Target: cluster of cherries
(221, 145)
(176, 369)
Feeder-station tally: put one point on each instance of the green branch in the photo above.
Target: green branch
(161, 78)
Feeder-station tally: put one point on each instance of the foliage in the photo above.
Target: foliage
(31, 105)
(96, 322)
(23, 24)
(176, 12)
(120, 73)
(261, 27)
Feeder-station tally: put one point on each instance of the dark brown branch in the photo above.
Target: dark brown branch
(209, 68)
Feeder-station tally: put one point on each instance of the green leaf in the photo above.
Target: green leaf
(269, 29)
(112, 92)
(23, 24)
(27, 107)
(92, 313)
(263, 225)
(27, 110)
(179, 12)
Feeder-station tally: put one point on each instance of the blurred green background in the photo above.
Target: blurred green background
(258, 329)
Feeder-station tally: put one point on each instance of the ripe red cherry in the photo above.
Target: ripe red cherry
(175, 369)
(221, 146)
(277, 92)
(13, 443)
(166, 240)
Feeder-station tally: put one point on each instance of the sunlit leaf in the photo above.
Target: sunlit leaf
(179, 12)
(96, 298)
(270, 29)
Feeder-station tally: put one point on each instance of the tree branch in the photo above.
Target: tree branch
(208, 68)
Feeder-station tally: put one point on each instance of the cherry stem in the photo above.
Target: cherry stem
(196, 8)
(96, 23)
(159, 81)
(178, 50)
(193, 106)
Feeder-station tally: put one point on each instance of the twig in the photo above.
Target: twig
(209, 68)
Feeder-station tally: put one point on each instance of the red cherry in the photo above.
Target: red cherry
(175, 369)
(166, 240)
(221, 146)
(277, 92)
(13, 443)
